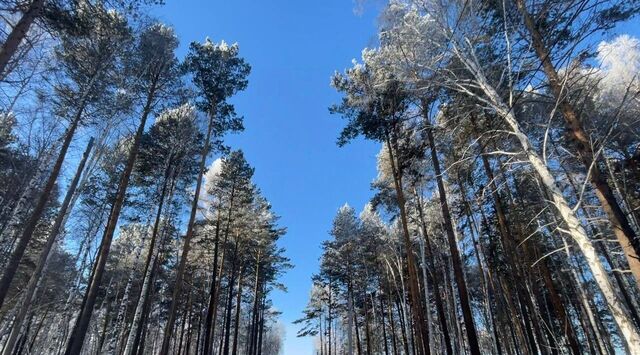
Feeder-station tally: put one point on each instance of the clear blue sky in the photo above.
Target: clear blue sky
(293, 48)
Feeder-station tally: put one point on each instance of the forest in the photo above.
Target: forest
(505, 212)
(148, 248)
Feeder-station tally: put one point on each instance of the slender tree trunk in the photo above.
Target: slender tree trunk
(213, 292)
(37, 332)
(78, 334)
(367, 327)
(391, 321)
(329, 318)
(228, 309)
(382, 318)
(463, 295)
(350, 314)
(261, 332)
(355, 324)
(149, 266)
(18, 33)
(623, 231)
(414, 291)
(623, 286)
(254, 318)
(209, 331)
(166, 338)
(436, 283)
(9, 230)
(506, 235)
(185, 319)
(238, 309)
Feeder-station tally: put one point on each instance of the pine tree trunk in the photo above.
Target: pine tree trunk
(329, 319)
(382, 318)
(238, 309)
(392, 322)
(210, 325)
(367, 328)
(228, 309)
(417, 310)
(18, 33)
(166, 338)
(436, 283)
(463, 295)
(350, 313)
(507, 237)
(254, 317)
(9, 231)
(149, 266)
(78, 334)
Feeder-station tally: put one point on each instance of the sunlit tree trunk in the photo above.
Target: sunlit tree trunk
(417, 310)
(623, 231)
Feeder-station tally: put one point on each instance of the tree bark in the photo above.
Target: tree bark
(436, 283)
(149, 266)
(228, 309)
(18, 33)
(210, 325)
(238, 309)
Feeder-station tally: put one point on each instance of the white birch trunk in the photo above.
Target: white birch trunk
(573, 227)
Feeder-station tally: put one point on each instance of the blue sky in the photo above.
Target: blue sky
(293, 48)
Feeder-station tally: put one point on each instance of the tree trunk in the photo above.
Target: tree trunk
(149, 266)
(208, 334)
(382, 318)
(414, 292)
(238, 309)
(507, 242)
(9, 230)
(17, 35)
(436, 283)
(228, 309)
(210, 325)
(463, 295)
(78, 334)
(30, 226)
(166, 338)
